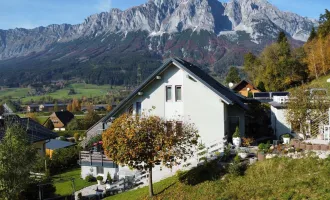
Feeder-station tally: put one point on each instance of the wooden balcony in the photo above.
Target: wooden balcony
(87, 158)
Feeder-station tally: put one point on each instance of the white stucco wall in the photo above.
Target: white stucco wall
(86, 170)
(204, 108)
(279, 123)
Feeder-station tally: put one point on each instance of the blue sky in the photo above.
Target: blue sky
(33, 13)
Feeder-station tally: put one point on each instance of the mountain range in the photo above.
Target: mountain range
(111, 47)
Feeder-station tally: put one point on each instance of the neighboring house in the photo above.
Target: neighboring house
(45, 107)
(101, 107)
(182, 92)
(54, 144)
(37, 134)
(244, 88)
(60, 119)
(319, 126)
(279, 123)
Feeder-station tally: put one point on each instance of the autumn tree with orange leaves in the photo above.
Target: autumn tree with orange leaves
(141, 142)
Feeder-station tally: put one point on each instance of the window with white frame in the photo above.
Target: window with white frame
(168, 93)
(178, 93)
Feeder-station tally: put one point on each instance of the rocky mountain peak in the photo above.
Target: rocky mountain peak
(258, 18)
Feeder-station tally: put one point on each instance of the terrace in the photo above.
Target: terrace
(89, 158)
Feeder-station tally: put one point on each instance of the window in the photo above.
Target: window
(99, 170)
(138, 108)
(168, 93)
(178, 96)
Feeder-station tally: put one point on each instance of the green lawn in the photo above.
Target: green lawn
(321, 82)
(63, 185)
(278, 178)
(14, 92)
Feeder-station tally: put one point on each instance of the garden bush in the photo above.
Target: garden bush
(90, 178)
(64, 159)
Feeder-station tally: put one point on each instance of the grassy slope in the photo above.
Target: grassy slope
(271, 179)
(63, 184)
(87, 90)
(321, 82)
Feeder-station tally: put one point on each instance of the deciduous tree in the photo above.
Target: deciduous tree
(17, 157)
(233, 76)
(142, 142)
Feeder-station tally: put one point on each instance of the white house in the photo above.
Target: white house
(182, 91)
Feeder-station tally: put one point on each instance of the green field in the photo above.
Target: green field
(82, 90)
(63, 184)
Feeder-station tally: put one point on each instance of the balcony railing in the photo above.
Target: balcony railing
(87, 158)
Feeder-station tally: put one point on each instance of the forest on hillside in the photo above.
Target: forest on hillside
(280, 67)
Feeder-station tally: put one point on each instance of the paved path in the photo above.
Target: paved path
(90, 190)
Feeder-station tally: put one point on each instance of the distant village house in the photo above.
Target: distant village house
(60, 120)
(245, 88)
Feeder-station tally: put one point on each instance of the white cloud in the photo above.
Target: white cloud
(104, 5)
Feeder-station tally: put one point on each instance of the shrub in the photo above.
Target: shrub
(286, 136)
(247, 141)
(74, 124)
(235, 168)
(264, 147)
(79, 196)
(226, 153)
(76, 136)
(63, 159)
(90, 178)
(109, 179)
(99, 178)
(236, 133)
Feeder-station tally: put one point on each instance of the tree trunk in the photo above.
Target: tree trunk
(151, 189)
(314, 64)
(324, 68)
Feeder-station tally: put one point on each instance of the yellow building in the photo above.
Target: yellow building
(244, 88)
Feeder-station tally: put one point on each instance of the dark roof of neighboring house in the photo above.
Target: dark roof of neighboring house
(243, 82)
(64, 116)
(58, 144)
(34, 106)
(52, 105)
(36, 132)
(225, 93)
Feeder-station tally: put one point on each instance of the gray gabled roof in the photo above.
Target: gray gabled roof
(35, 131)
(227, 95)
(58, 144)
